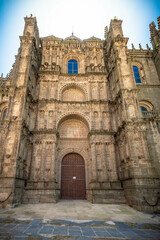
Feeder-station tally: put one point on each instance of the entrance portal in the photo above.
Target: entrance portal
(73, 177)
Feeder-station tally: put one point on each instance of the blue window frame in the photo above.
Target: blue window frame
(72, 66)
(4, 114)
(143, 109)
(136, 74)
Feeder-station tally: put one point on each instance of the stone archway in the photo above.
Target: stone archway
(73, 183)
(73, 139)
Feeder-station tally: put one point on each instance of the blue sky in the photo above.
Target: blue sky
(86, 17)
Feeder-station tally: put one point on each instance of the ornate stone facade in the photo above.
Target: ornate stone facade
(47, 113)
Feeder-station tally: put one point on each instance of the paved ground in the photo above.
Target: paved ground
(77, 220)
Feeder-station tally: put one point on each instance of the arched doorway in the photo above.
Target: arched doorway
(73, 184)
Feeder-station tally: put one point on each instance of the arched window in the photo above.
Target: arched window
(146, 106)
(146, 109)
(145, 112)
(4, 114)
(72, 66)
(143, 109)
(136, 74)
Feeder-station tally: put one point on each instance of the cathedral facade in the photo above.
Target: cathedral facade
(80, 119)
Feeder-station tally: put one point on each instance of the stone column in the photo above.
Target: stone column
(56, 90)
(100, 117)
(43, 59)
(57, 60)
(98, 88)
(104, 162)
(89, 91)
(105, 94)
(33, 163)
(94, 162)
(42, 160)
(50, 56)
(48, 89)
(36, 160)
(29, 161)
(53, 163)
(112, 163)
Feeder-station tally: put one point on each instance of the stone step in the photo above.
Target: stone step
(108, 196)
(39, 196)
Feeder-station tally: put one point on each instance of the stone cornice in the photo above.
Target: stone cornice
(69, 102)
(51, 38)
(44, 131)
(141, 85)
(140, 53)
(101, 132)
(26, 38)
(72, 39)
(69, 74)
(120, 39)
(72, 80)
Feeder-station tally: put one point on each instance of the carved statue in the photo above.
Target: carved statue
(46, 65)
(53, 66)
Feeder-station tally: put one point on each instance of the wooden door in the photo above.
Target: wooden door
(73, 177)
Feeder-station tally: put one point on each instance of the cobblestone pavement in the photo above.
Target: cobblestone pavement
(19, 229)
(77, 220)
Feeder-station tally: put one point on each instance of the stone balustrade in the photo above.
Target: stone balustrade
(151, 114)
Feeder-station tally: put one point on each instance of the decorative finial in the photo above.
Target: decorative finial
(148, 48)
(72, 30)
(106, 32)
(140, 47)
(31, 15)
(133, 46)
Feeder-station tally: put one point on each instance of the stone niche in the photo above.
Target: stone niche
(73, 93)
(73, 128)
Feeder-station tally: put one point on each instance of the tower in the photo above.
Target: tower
(137, 173)
(16, 138)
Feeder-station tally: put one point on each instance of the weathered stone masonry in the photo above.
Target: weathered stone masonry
(47, 113)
